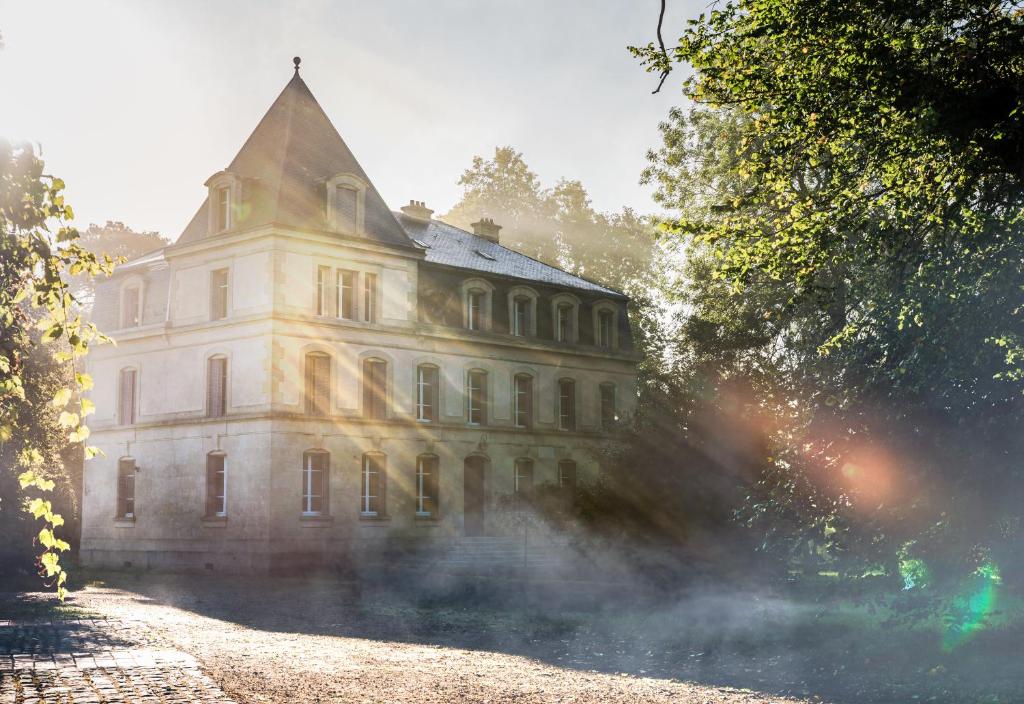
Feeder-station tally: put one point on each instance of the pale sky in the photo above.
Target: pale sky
(136, 103)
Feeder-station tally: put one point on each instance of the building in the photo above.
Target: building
(305, 372)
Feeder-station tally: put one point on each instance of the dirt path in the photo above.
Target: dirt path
(278, 641)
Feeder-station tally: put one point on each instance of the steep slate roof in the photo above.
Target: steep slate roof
(448, 245)
(283, 166)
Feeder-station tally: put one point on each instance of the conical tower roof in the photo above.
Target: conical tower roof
(283, 168)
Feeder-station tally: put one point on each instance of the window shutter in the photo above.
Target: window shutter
(528, 400)
(216, 386)
(382, 484)
(483, 399)
(127, 397)
(434, 484)
(345, 205)
(322, 384)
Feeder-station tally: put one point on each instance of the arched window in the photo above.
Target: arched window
(373, 487)
(523, 478)
(346, 196)
(216, 485)
(566, 404)
(318, 384)
(605, 325)
(522, 311)
(476, 397)
(426, 393)
(565, 316)
(375, 388)
(126, 470)
(315, 476)
(476, 304)
(127, 396)
(427, 483)
(523, 401)
(608, 413)
(216, 386)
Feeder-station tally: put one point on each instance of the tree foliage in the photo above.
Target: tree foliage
(849, 184)
(38, 250)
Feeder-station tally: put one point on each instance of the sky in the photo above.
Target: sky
(135, 104)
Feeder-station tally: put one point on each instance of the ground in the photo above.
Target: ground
(167, 638)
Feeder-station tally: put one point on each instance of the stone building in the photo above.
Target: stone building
(305, 372)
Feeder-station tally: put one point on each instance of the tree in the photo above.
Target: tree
(558, 225)
(38, 249)
(120, 242)
(865, 203)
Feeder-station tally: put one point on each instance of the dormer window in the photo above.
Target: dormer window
(565, 314)
(522, 311)
(131, 298)
(606, 325)
(223, 206)
(346, 198)
(476, 304)
(223, 198)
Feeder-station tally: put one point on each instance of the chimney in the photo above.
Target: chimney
(486, 228)
(417, 210)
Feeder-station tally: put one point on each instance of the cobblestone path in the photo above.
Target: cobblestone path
(96, 661)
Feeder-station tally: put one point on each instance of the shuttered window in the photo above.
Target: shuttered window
(216, 485)
(216, 386)
(567, 404)
(126, 411)
(523, 401)
(373, 486)
(375, 388)
(318, 384)
(315, 475)
(346, 203)
(476, 398)
(126, 488)
(130, 308)
(218, 294)
(426, 486)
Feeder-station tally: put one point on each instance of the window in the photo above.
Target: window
(218, 294)
(564, 322)
(567, 480)
(315, 466)
(216, 485)
(475, 310)
(426, 393)
(608, 415)
(375, 388)
(223, 207)
(346, 206)
(374, 485)
(521, 316)
(130, 308)
(126, 411)
(370, 297)
(476, 411)
(318, 384)
(216, 386)
(325, 297)
(523, 401)
(346, 294)
(605, 328)
(567, 404)
(126, 488)
(426, 486)
(523, 477)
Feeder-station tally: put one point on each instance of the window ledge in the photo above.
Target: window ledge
(215, 521)
(316, 520)
(122, 522)
(374, 519)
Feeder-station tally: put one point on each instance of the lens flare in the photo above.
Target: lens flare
(972, 610)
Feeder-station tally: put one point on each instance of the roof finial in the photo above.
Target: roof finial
(297, 60)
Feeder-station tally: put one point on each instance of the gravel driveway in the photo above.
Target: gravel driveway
(273, 640)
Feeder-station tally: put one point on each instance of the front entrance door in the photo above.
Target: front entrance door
(473, 498)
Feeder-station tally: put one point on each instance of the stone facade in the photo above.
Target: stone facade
(255, 287)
